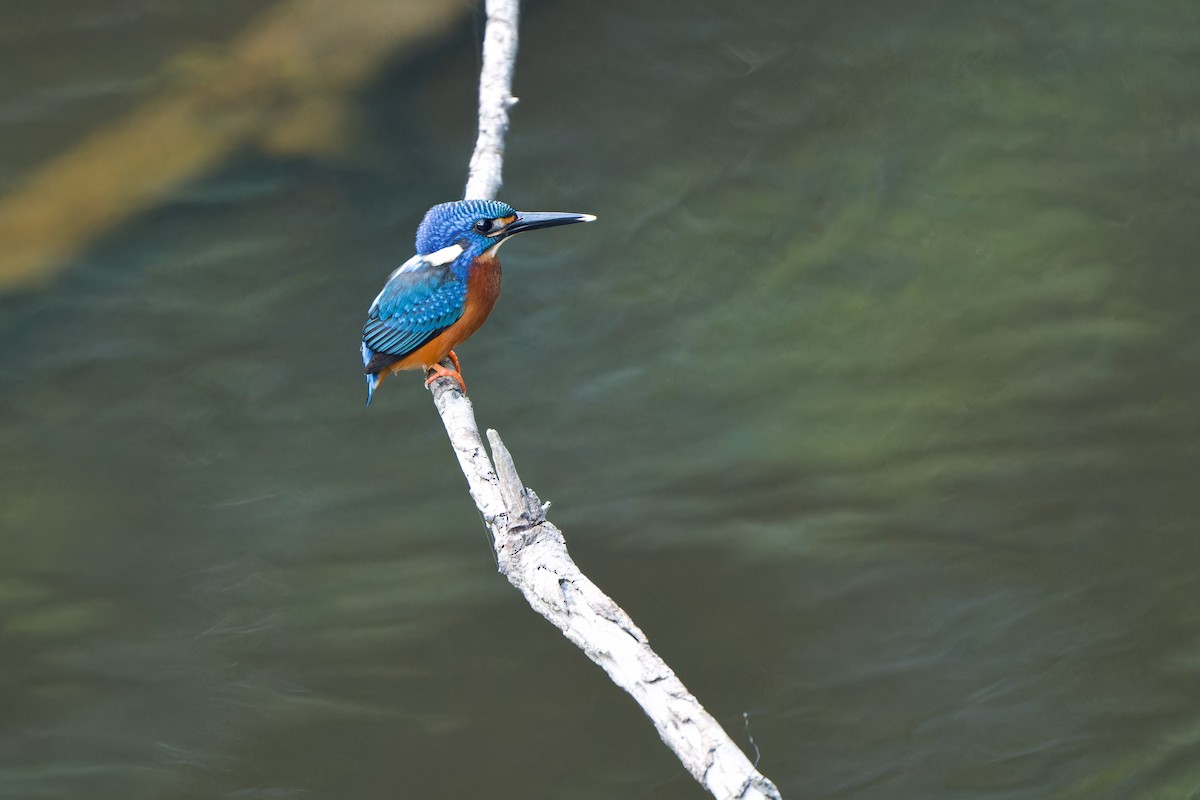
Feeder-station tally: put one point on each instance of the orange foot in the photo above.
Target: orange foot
(438, 371)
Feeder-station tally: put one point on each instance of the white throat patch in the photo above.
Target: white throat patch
(491, 251)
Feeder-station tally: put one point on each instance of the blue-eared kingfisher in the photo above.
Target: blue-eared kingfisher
(441, 296)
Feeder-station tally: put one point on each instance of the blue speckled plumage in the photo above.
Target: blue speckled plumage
(428, 294)
(418, 302)
(447, 223)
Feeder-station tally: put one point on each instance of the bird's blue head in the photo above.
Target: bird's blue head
(449, 224)
(465, 229)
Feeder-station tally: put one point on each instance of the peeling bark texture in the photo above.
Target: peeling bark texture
(531, 551)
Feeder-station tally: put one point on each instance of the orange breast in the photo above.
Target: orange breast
(483, 287)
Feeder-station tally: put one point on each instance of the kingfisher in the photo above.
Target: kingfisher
(434, 301)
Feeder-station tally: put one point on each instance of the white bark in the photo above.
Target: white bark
(531, 551)
(495, 98)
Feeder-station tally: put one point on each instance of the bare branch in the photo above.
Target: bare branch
(495, 98)
(531, 551)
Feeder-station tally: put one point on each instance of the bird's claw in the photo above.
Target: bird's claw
(438, 371)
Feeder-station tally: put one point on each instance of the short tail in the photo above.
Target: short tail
(373, 378)
(372, 382)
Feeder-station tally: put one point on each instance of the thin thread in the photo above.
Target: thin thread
(750, 736)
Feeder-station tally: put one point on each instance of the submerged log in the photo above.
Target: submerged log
(281, 84)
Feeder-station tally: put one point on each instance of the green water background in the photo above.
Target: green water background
(871, 396)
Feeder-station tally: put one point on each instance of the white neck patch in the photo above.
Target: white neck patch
(444, 256)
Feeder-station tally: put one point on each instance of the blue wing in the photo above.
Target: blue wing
(418, 302)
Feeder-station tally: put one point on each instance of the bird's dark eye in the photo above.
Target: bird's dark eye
(485, 225)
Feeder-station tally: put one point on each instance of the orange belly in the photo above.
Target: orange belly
(483, 287)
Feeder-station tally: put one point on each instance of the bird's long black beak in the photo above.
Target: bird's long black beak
(532, 220)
